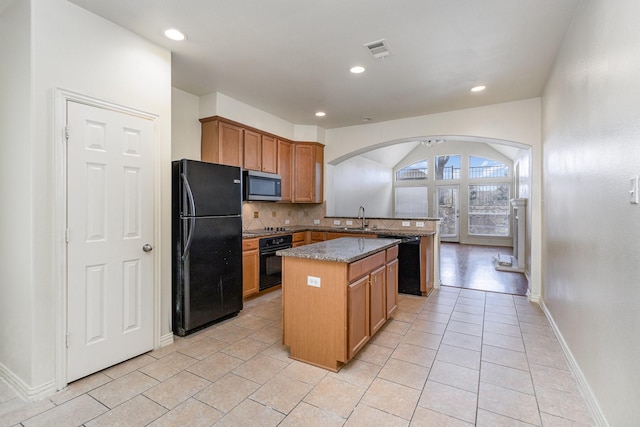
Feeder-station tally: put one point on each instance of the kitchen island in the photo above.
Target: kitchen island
(335, 296)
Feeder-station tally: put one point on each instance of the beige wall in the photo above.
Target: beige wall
(61, 46)
(592, 233)
(185, 126)
(16, 184)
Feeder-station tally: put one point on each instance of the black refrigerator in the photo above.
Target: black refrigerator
(206, 244)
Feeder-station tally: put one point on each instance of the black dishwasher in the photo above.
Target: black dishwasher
(408, 264)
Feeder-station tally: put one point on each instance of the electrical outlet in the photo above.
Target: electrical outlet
(406, 223)
(349, 222)
(313, 281)
(336, 222)
(316, 221)
(419, 224)
(286, 222)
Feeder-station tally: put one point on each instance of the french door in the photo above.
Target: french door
(447, 205)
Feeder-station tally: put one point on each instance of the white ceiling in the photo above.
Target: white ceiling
(292, 57)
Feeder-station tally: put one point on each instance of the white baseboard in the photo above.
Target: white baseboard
(23, 390)
(166, 339)
(583, 384)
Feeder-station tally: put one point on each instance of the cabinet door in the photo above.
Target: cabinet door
(357, 315)
(250, 267)
(229, 144)
(377, 296)
(269, 154)
(285, 169)
(308, 173)
(252, 150)
(392, 287)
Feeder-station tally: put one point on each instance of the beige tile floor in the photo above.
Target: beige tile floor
(457, 358)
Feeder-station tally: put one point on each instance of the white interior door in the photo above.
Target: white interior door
(109, 222)
(448, 210)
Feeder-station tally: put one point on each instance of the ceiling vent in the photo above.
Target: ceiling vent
(379, 49)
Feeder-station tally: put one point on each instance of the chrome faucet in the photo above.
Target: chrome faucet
(361, 215)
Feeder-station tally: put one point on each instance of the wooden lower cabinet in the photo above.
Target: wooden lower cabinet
(327, 323)
(392, 286)
(358, 315)
(317, 236)
(250, 267)
(299, 239)
(377, 299)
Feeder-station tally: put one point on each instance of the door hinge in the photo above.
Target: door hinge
(66, 133)
(66, 235)
(68, 340)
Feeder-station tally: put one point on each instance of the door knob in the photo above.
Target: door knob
(147, 248)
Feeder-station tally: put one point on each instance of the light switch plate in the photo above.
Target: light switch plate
(316, 221)
(286, 222)
(633, 190)
(349, 222)
(406, 223)
(419, 224)
(336, 222)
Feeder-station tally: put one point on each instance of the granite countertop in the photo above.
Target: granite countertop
(248, 234)
(344, 249)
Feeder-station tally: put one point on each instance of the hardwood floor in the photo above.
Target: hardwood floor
(473, 267)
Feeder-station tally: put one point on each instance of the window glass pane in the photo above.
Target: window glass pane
(447, 167)
(479, 167)
(489, 210)
(417, 170)
(411, 202)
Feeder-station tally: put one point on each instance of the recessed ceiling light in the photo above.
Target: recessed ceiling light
(357, 69)
(174, 34)
(478, 88)
(321, 114)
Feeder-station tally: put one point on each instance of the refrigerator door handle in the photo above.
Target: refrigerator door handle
(192, 219)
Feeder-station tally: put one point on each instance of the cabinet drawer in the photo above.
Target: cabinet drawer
(392, 253)
(317, 236)
(298, 237)
(248, 244)
(364, 266)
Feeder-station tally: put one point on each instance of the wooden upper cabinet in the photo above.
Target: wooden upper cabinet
(269, 150)
(252, 150)
(284, 168)
(308, 172)
(222, 143)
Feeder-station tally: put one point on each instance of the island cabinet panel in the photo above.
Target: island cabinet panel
(250, 267)
(330, 308)
(377, 299)
(285, 169)
(222, 143)
(392, 286)
(365, 265)
(358, 300)
(315, 317)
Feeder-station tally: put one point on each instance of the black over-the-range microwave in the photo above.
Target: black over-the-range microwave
(261, 186)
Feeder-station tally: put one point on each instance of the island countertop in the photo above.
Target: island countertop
(344, 249)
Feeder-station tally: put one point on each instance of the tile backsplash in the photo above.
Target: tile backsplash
(258, 215)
